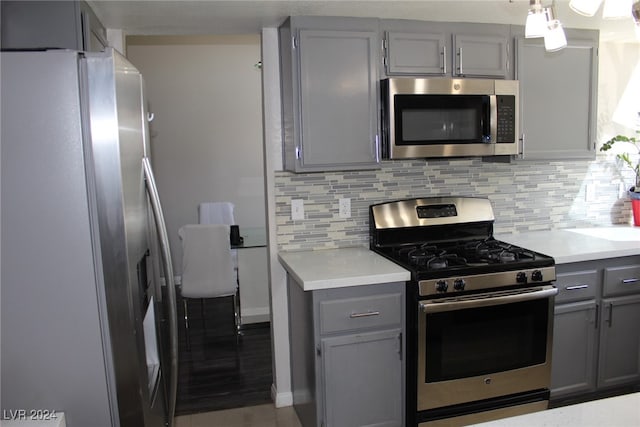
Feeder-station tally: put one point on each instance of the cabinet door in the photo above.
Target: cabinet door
(338, 100)
(481, 56)
(362, 376)
(416, 53)
(574, 349)
(619, 341)
(557, 99)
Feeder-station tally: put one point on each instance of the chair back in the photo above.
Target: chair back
(207, 265)
(216, 213)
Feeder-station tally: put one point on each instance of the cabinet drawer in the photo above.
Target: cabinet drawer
(621, 280)
(576, 286)
(357, 313)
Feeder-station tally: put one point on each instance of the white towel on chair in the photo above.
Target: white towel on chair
(207, 266)
(216, 213)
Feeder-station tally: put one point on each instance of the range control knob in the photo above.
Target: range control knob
(536, 276)
(441, 286)
(458, 284)
(521, 277)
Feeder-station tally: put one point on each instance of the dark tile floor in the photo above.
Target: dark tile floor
(218, 371)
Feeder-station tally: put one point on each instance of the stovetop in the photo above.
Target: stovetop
(433, 260)
(447, 244)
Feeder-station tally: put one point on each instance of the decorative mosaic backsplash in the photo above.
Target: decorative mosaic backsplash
(525, 195)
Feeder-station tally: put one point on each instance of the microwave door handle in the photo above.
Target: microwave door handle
(444, 60)
(487, 300)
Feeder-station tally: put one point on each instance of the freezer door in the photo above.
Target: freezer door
(118, 130)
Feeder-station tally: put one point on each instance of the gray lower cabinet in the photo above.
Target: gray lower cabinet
(574, 349)
(558, 93)
(446, 49)
(620, 326)
(365, 368)
(596, 342)
(51, 24)
(329, 84)
(347, 355)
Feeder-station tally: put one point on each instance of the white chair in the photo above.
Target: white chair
(219, 213)
(207, 267)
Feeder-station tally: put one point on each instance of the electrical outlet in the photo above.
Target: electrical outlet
(297, 209)
(344, 208)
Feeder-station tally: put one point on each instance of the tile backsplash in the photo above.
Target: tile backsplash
(526, 196)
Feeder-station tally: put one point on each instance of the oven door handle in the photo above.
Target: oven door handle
(487, 300)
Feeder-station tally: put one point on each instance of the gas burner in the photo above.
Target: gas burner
(444, 261)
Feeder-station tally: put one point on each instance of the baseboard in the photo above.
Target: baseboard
(255, 315)
(281, 399)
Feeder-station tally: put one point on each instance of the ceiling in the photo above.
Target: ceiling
(164, 17)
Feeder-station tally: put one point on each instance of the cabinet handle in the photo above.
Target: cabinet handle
(444, 60)
(610, 315)
(460, 61)
(631, 280)
(576, 287)
(597, 311)
(400, 345)
(366, 314)
(377, 149)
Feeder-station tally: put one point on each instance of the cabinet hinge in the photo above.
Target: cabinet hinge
(384, 53)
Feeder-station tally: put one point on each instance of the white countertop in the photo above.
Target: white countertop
(580, 244)
(619, 411)
(336, 268)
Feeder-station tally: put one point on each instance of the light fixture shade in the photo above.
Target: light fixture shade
(536, 25)
(616, 9)
(555, 39)
(585, 7)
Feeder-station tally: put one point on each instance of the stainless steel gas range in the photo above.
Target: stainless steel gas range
(479, 311)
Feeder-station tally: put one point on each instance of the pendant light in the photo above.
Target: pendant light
(536, 24)
(554, 37)
(585, 7)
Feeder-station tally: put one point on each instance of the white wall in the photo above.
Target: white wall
(206, 138)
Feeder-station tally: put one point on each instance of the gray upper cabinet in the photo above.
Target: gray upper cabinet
(446, 49)
(558, 97)
(51, 24)
(329, 93)
(481, 56)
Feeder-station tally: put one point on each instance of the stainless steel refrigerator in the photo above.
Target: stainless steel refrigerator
(87, 326)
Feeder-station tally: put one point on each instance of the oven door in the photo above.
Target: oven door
(483, 346)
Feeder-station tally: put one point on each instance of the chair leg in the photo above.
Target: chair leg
(204, 323)
(186, 323)
(236, 312)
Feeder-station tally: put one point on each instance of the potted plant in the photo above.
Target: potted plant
(634, 164)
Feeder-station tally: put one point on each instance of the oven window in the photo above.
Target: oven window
(479, 341)
(434, 119)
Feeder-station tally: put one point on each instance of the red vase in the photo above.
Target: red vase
(635, 206)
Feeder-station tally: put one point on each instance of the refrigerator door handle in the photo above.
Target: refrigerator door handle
(171, 290)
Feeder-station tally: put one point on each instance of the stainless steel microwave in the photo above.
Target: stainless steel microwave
(443, 117)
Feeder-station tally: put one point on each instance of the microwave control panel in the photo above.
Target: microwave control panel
(506, 121)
